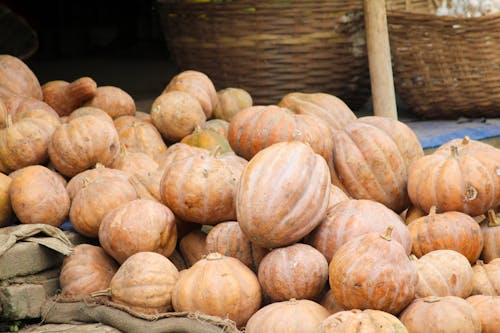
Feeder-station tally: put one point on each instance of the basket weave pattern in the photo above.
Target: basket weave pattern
(445, 67)
(271, 48)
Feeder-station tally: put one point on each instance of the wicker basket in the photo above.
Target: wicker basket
(271, 48)
(444, 67)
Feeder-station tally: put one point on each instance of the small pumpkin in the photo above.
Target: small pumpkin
(488, 309)
(413, 213)
(134, 163)
(207, 139)
(113, 100)
(230, 102)
(486, 279)
(336, 196)
(329, 302)
(5, 206)
(143, 116)
(17, 78)
(193, 247)
(17, 104)
(491, 235)
(367, 321)
(218, 125)
(65, 97)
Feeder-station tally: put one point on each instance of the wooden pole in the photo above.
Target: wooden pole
(379, 59)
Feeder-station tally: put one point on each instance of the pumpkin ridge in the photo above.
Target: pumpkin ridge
(423, 175)
(491, 181)
(274, 123)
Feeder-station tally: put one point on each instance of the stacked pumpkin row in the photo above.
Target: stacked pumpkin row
(294, 197)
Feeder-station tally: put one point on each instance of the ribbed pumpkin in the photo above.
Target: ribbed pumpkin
(144, 283)
(113, 100)
(293, 316)
(367, 321)
(443, 273)
(16, 104)
(134, 163)
(373, 272)
(218, 125)
(179, 151)
(330, 109)
(220, 286)
(86, 270)
(88, 176)
(488, 309)
(25, 139)
(296, 271)
(199, 86)
(230, 102)
(413, 213)
(449, 314)
(65, 97)
(491, 235)
(83, 142)
(336, 196)
(207, 139)
(329, 302)
(371, 157)
(143, 116)
(486, 279)
(283, 194)
(138, 226)
(227, 238)
(462, 175)
(352, 218)
(5, 206)
(17, 77)
(447, 231)
(193, 247)
(38, 196)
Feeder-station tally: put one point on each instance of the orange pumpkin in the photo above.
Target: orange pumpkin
(491, 236)
(5, 206)
(362, 322)
(134, 163)
(486, 279)
(88, 176)
(17, 78)
(17, 104)
(488, 309)
(113, 100)
(65, 97)
(193, 246)
(230, 102)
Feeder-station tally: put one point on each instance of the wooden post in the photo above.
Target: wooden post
(379, 59)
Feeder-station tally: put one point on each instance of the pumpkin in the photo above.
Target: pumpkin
(17, 78)
(220, 286)
(491, 236)
(488, 309)
(134, 163)
(373, 272)
(176, 114)
(218, 125)
(443, 273)
(38, 196)
(139, 136)
(296, 271)
(230, 102)
(441, 314)
(89, 111)
(461, 175)
(25, 139)
(144, 283)
(113, 100)
(176, 258)
(17, 104)
(193, 246)
(96, 199)
(207, 139)
(293, 316)
(199, 86)
(83, 142)
(143, 116)
(86, 270)
(328, 108)
(447, 231)
(329, 302)
(138, 226)
(283, 194)
(179, 151)
(336, 196)
(5, 206)
(486, 279)
(65, 97)
(371, 157)
(227, 238)
(413, 213)
(353, 218)
(367, 321)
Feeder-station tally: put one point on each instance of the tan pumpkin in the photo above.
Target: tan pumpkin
(447, 231)
(371, 157)
(179, 151)
(441, 314)
(97, 198)
(296, 271)
(228, 239)
(17, 78)
(138, 226)
(88, 176)
(86, 270)
(279, 205)
(207, 139)
(113, 100)
(230, 102)
(65, 97)
(220, 286)
(5, 206)
(17, 104)
(193, 247)
(330, 109)
(134, 163)
(38, 196)
(462, 175)
(139, 136)
(486, 279)
(83, 142)
(488, 309)
(443, 273)
(293, 316)
(143, 116)
(89, 111)
(491, 236)
(329, 302)
(336, 196)
(413, 213)
(218, 125)
(199, 86)
(353, 218)
(373, 272)
(144, 283)
(367, 321)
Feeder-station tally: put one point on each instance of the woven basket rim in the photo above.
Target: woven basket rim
(418, 15)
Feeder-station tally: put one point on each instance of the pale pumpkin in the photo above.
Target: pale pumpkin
(88, 176)
(488, 309)
(5, 206)
(491, 235)
(17, 78)
(218, 125)
(16, 104)
(113, 100)
(230, 102)
(207, 139)
(336, 196)
(283, 194)
(65, 97)
(486, 279)
(134, 163)
(367, 321)
(193, 247)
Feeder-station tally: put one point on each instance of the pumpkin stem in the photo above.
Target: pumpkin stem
(8, 121)
(465, 140)
(413, 257)
(99, 165)
(431, 299)
(479, 262)
(216, 151)
(494, 221)
(432, 211)
(388, 232)
(293, 301)
(105, 292)
(214, 256)
(454, 151)
(85, 182)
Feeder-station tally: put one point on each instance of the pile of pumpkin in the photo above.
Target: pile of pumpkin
(297, 217)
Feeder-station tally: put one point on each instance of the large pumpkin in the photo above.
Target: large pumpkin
(367, 321)
(113, 100)
(220, 286)
(371, 157)
(82, 179)
(486, 279)
(5, 206)
(17, 78)
(64, 97)
(462, 175)
(283, 194)
(491, 235)
(488, 309)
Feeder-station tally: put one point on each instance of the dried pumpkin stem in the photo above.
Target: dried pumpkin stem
(8, 121)
(216, 151)
(105, 292)
(494, 221)
(85, 182)
(465, 140)
(431, 299)
(454, 151)
(99, 165)
(388, 233)
(214, 256)
(413, 257)
(432, 211)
